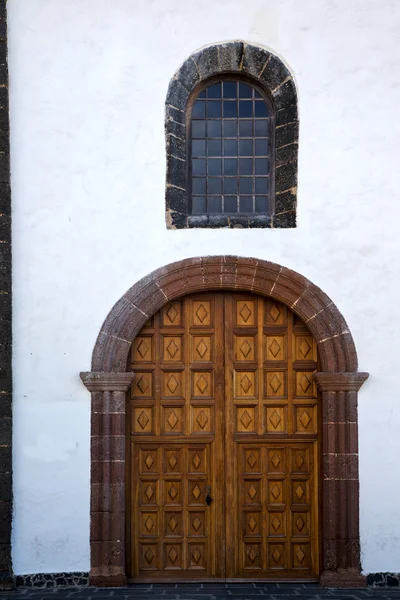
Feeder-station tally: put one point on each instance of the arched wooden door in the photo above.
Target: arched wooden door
(223, 431)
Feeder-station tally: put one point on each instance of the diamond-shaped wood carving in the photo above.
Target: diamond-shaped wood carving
(299, 554)
(300, 523)
(149, 461)
(202, 384)
(172, 493)
(172, 420)
(202, 419)
(201, 313)
(196, 492)
(149, 493)
(172, 461)
(274, 313)
(201, 348)
(252, 554)
(245, 348)
(252, 523)
(172, 523)
(143, 348)
(172, 555)
(304, 348)
(196, 555)
(245, 384)
(304, 383)
(245, 313)
(275, 419)
(171, 313)
(252, 460)
(143, 419)
(275, 460)
(276, 555)
(142, 384)
(196, 461)
(149, 524)
(252, 492)
(305, 419)
(275, 384)
(274, 348)
(246, 419)
(149, 555)
(196, 524)
(299, 492)
(172, 384)
(299, 460)
(275, 523)
(172, 349)
(275, 491)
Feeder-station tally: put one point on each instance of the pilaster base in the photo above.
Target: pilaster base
(343, 578)
(108, 580)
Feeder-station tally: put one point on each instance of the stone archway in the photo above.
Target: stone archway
(338, 381)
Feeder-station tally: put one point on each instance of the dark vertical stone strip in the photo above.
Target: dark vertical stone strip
(6, 578)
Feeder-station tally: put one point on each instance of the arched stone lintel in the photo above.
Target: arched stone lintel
(335, 343)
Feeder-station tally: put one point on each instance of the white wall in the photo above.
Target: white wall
(88, 80)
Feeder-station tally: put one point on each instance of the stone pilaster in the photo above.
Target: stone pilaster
(107, 509)
(340, 480)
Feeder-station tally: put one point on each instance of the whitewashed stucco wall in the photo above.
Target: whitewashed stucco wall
(88, 79)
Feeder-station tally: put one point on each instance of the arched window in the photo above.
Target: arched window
(232, 140)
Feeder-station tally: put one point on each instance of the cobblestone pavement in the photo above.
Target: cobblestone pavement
(222, 591)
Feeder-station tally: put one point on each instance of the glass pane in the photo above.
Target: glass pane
(198, 148)
(245, 91)
(262, 147)
(245, 185)
(198, 185)
(230, 185)
(261, 185)
(230, 166)
(261, 203)
(230, 128)
(245, 166)
(214, 185)
(261, 109)
(245, 108)
(214, 108)
(214, 128)
(230, 89)
(257, 94)
(214, 204)
(246, 128)
(199, 166)
(198, 129)
(214, 91)
(230, 109)
(246, 204)
(214, 166)
(230, 204)
(214, 147)
(261, 128)
(245, 147)
(199, 205)
(230, 147)
(199, 109)
(261, 166)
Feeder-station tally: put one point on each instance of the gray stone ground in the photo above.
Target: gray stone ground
(207, 591)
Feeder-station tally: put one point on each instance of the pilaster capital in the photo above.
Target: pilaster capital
(340, 382)
(102, 381)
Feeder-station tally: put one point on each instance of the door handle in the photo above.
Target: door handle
(208, 497)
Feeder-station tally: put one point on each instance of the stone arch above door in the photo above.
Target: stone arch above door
(338, 381)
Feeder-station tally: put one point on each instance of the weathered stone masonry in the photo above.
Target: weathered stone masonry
(6, 580)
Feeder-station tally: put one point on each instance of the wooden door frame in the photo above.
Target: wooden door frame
(338, 381)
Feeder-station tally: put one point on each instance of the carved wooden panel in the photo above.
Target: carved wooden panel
(223, 406)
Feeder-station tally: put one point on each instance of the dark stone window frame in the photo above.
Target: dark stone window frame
(260, 68)
(272, 127)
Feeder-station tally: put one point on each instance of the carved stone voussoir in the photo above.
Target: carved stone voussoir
(100, 381)
(340, 382)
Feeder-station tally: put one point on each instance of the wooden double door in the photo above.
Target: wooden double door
(223, 443)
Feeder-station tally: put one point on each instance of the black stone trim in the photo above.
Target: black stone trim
(6, 577)
(383, 579)
(274, 77)
(51, 580)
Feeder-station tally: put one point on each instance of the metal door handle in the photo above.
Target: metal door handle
(208, 497)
